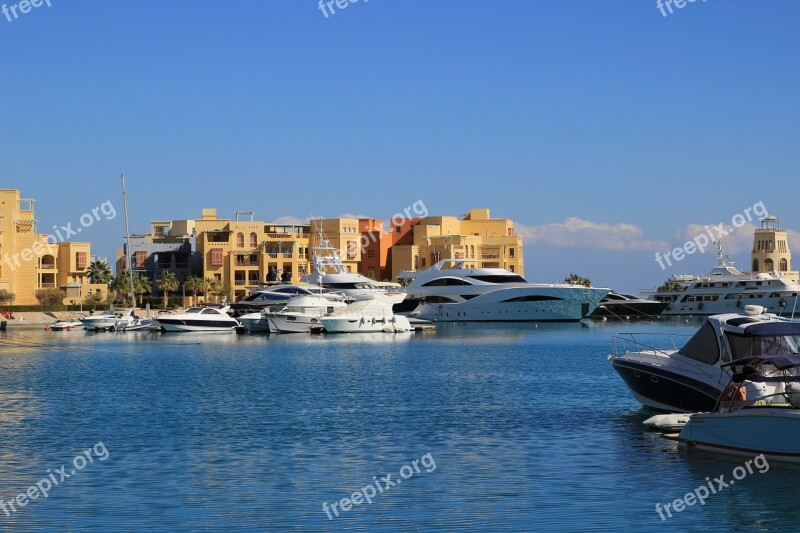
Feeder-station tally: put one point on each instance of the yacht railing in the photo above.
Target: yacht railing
(625, 343)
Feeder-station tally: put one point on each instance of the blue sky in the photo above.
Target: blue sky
(602, 111)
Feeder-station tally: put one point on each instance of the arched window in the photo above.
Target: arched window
(755, 265)
(253, 240)
(769, 265)
(784, 265)
(240, 240)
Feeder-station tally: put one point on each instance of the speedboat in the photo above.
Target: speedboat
(330, 273)
(616, 304)
(108, 320)
(365, 316)
(255, 322)
(302, 313)
(66, 325)
(199, 319)
(741, 425)
(690, 377)
(140, 324)
(449, 292)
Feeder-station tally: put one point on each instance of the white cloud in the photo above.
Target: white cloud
(351, 215)
(291, 221)
(575, 232)
(736, 240)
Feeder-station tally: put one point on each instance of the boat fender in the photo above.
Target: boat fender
(782, 303)
(736, 392)
(700, 306)
(738, 303)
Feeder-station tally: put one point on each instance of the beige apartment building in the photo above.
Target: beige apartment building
(491, 242)
(28, 262)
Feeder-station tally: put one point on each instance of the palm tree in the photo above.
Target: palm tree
(167, 282)
(215, 287)
(141, 286)
(194, 284)
(100, 272)
(575, 279)
(121, 284)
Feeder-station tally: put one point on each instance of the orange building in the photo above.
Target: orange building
(377, 244)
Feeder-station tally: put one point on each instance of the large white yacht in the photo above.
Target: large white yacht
(727, 290)
(449, 292)
(330, 273)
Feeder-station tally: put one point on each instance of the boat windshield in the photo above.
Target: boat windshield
(746, 346)
(193, 310)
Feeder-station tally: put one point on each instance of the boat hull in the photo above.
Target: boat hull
(279, 323)
(179, 325)
(660, 389)
(772, 431)
(540, 304)
(255, 323)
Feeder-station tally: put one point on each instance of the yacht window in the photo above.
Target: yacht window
(209, 312)
(500, 278)
(703, 346)
(438, 300)
(531, 298)
(446, 282)
(726, 357)
(468, 296)
(193, 310)
(747, 346)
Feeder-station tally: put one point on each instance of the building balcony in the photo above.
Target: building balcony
(246, 262)
(273, 255)
(46, 285)
(47, 266)
(240, 282)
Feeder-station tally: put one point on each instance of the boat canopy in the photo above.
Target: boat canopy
(772, 329)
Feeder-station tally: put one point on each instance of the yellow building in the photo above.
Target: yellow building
(493, 243)
(246, 254)
(343, 235)
(28, 261)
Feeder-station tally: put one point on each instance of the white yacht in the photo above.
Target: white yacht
(691, 377)
(449, 292)
(302, 313)
(330, 273)
(365, 316)
(108, 320)
(199, 319)
(726, 290)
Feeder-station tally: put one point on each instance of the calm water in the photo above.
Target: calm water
(529, 429)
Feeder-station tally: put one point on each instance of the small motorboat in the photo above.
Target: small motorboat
(66, 325)
(768, 425)
(667, 423)
(140, 324)
(109, 320)
(255, 322)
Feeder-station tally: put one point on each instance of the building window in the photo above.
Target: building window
(755, 265)
(240, 239)
(80, 260)
(253, 240)
(139, 258)
(371, 253)
(511, 268)
(398, 229)
(216, 257)
(351, 249)
(784, 265)
(511, 253)
(769, 266)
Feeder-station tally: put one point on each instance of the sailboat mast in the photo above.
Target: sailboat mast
(127, 239)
